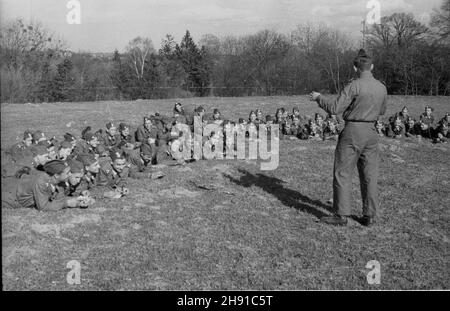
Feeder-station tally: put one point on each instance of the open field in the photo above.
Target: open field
(251, 230)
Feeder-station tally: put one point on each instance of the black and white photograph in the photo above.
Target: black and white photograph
(225, 151)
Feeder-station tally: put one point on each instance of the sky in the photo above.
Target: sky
(110, 24)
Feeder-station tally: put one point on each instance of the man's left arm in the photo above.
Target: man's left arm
(338, 105)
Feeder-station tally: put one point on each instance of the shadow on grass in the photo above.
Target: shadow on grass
(288, 197)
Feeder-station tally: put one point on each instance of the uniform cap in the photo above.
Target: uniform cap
(55, 167)
(69, 137)
(116, 154)
(27, 134)
(199, 109)
(65, 145)
(86, 159)
(38, 135)
(39, 150)
(75, 166)
(123, 126)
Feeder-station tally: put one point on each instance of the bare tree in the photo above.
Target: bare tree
(138, 50)
(441, 20)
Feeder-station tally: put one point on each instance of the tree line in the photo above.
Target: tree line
(410, 58)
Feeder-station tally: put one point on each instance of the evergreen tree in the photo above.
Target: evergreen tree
(194, 64)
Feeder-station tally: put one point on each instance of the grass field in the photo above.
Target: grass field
(252, 230)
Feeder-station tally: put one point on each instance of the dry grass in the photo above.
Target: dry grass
(253, 230)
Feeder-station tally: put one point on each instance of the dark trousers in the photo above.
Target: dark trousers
(357, 146)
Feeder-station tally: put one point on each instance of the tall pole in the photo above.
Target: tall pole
(364, 34)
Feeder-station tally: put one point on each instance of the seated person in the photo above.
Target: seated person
(282, 122)
(210, 144)
(253, 119)
(313, 131)
(428, 118)
(319, 121)
(178, 109)
(109, 138)
(216, 117)
(39, 137)
(338, 122)
(331, 131)
(442, 134)
(22, 148)
(396, 129)
(90, 144)
(403, 115)
(64, 150)
(259, 116)
(380, 128)
(412, 128)
(426, 131)
(445, 119)
(70, 138)
(296, 128)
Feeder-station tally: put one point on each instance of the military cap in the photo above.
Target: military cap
(363, 59)
(123, 126)
(86, 158)
(216, 111)
(199, 109)
(65, 145)
(39, 150)
(27, 134)
(75, 166)
(55, 167)
(109, 125)
(38, 135)
(101, 150)
(69, 137)
(89, 136)
(116, 154)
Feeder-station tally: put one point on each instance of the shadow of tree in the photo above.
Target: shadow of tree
(287, 196)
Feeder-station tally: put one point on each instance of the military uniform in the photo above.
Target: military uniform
(362, 102)
(330, 134)
(142, 135)
(82, 147)
(109, 141)
(396, 131)
(109, 177)
(412, 131)
(37, 191)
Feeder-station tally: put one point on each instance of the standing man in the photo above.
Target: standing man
(361, 102)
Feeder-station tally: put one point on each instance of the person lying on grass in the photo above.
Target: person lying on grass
(40, 191)
(113, 174)
(76, 185)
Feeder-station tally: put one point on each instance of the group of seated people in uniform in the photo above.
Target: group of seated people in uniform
(403, 125)
(48, 174)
